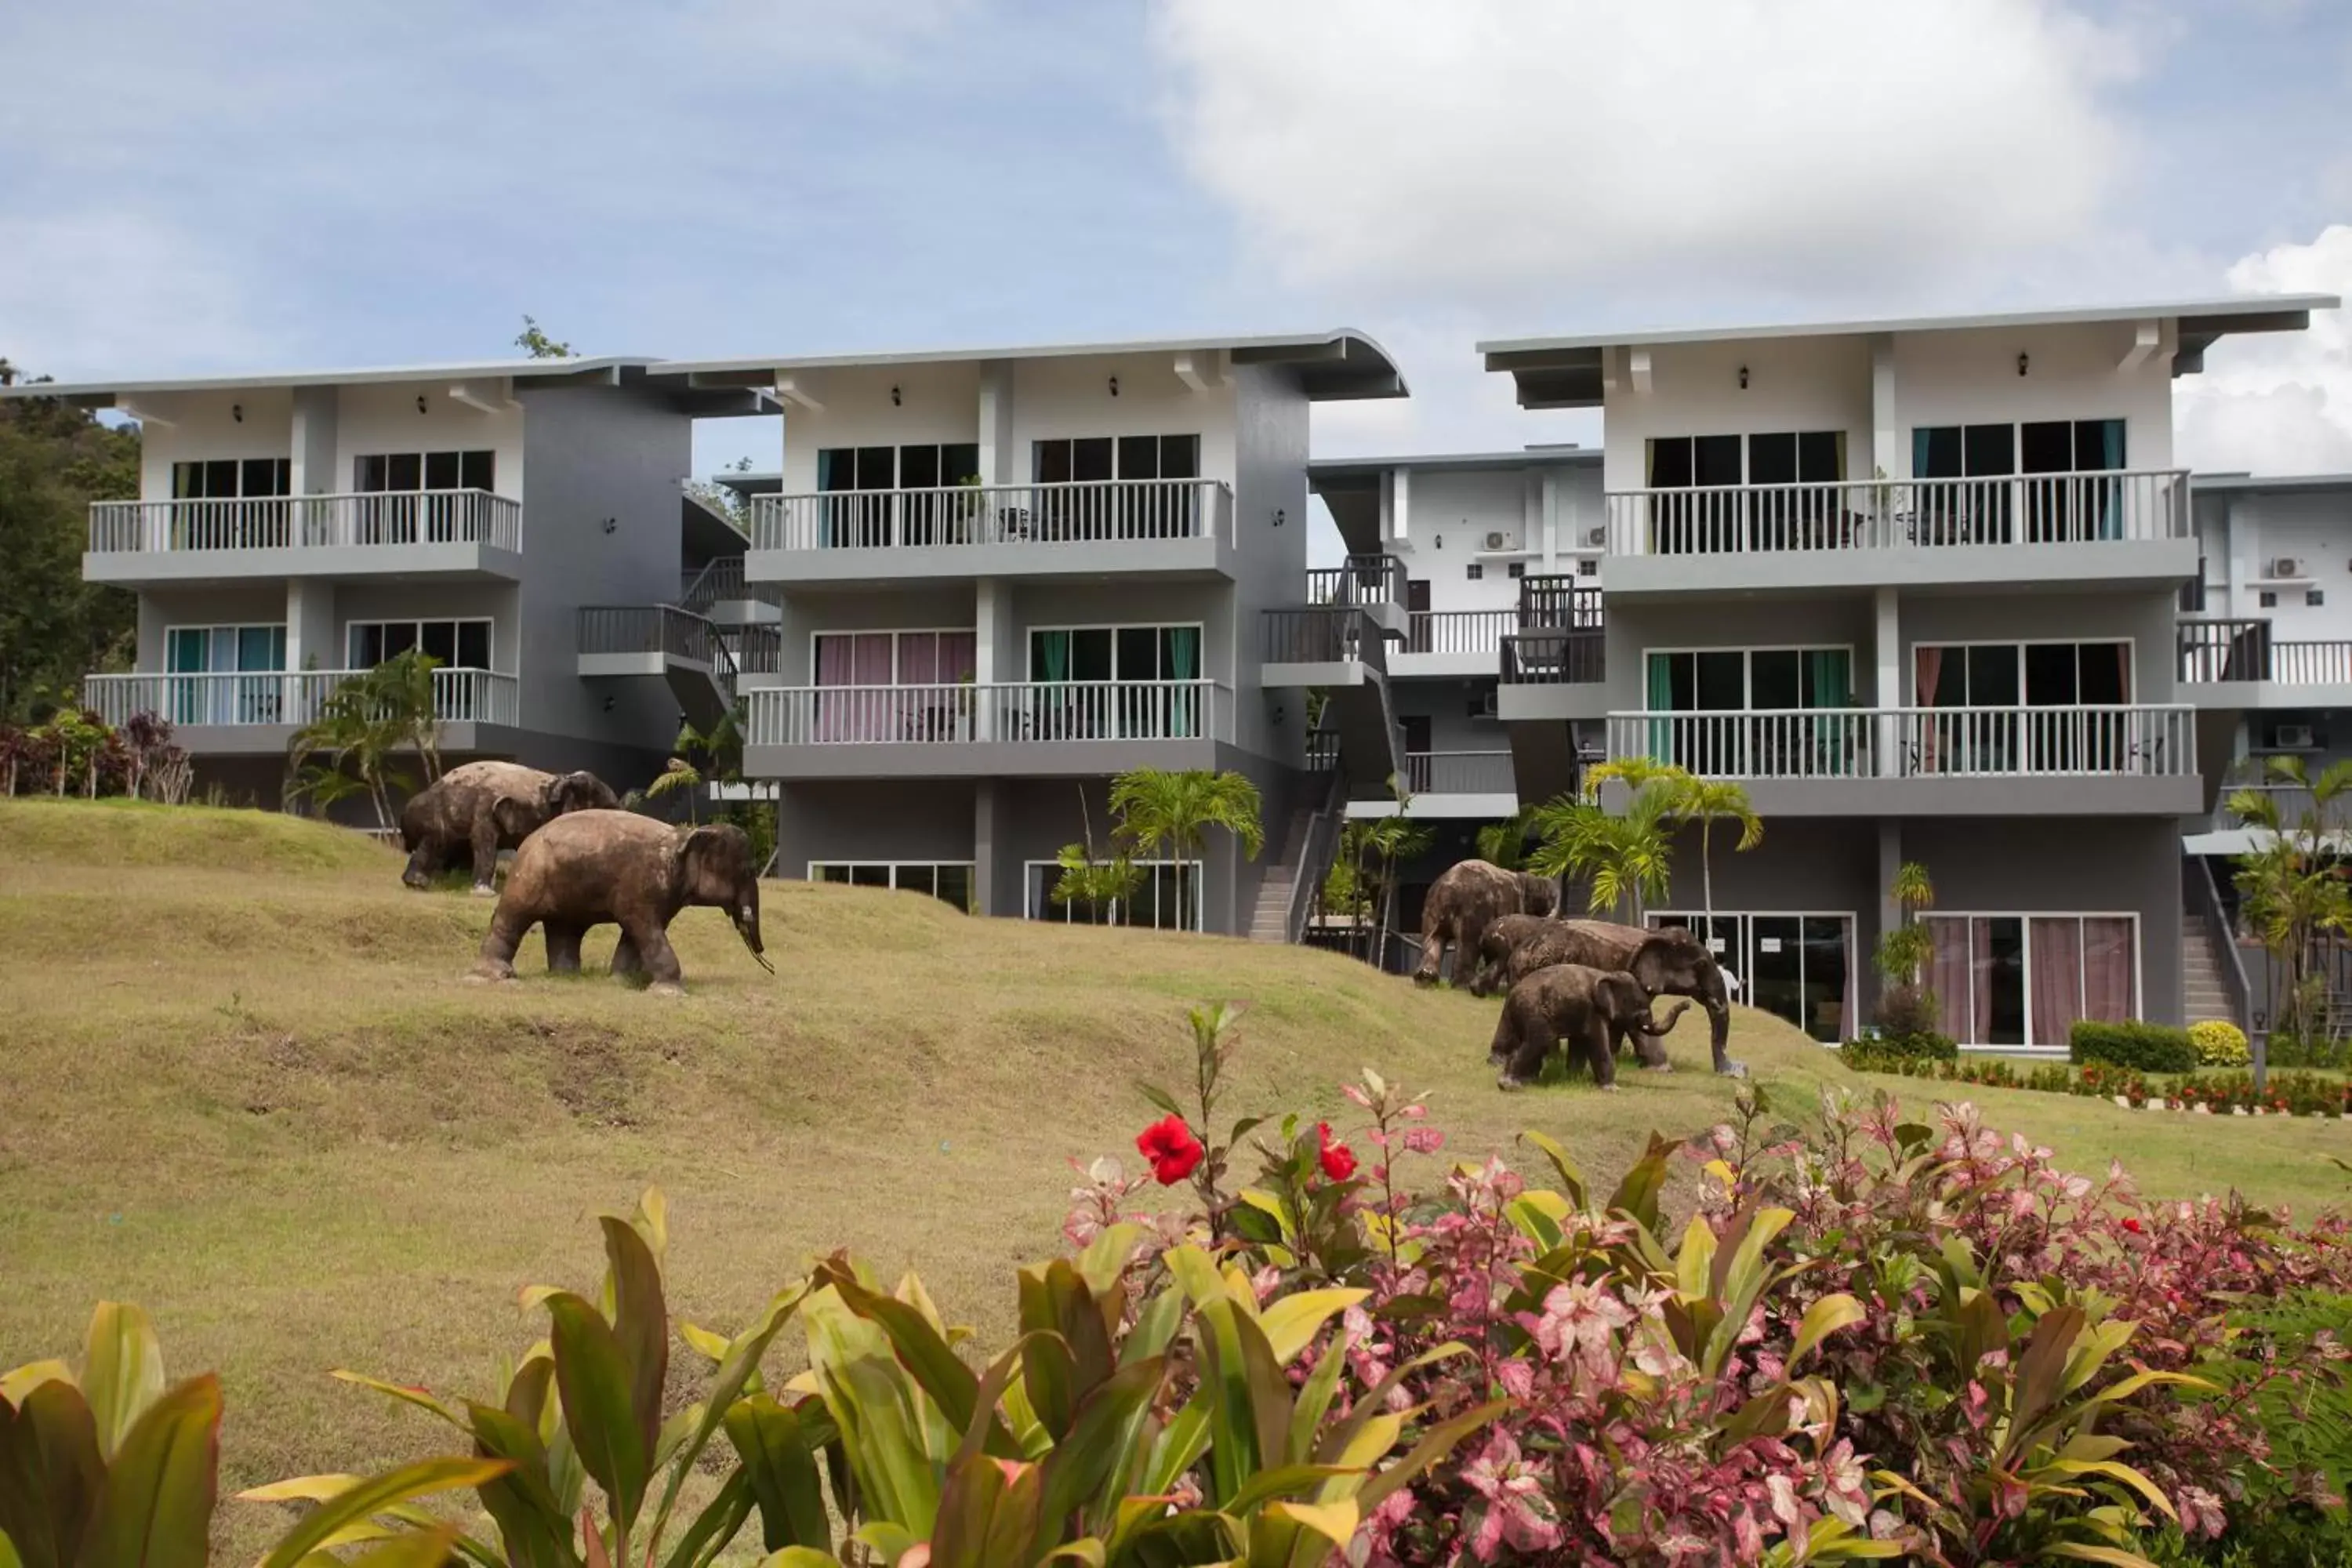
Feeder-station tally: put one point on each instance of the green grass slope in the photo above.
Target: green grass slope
(244, 1083)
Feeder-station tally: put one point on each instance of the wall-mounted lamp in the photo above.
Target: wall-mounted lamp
(894, 399)
(1439, 543)
(2021, 363)
(1279, 712)
(608, 705)
(1743, 378)
(420, 403)
(236, 412)
(1114, 386)
(1278, 517)
(612, 525)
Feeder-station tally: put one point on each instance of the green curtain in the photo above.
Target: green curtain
(1054, 655)
(1661, 699)
(1183, 664)
(1829, 673)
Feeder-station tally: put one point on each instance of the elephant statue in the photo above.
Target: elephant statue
(1465, 900)
(587, 868)
(1501, 939)
(491, 806)
(1668, 962)
(1591, 1009)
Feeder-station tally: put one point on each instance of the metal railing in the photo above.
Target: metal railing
(1024, 712)
(2204, 901)
(292, 697)
(2243, 650)
(1459, 772)
(301, 523)
(1322, 751)
(1084, 511)
(1458, 631)
(1554, 658)
(664, 630)
(758, 650)
(1559, 600)
(1361, 580)
(1315, 859)
(2311, 663)
(1894, 515)
(2083, 741)
(1323, 634)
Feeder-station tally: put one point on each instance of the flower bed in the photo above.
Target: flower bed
(2228, 1093)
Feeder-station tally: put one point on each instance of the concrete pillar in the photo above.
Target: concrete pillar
(310, 625)
(999, 463)
(1889, 453)
(987, 840)
(312, 470)
(1890, 861)
(1550, 508)
(1893, 691)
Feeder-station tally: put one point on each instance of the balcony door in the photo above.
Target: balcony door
(1128, 683)
(1782, 518)
(1980, 466)
(2023, 980)
(247, 514)
(2034, 707)
(880, 496)
(1132, 510)
(1750, 711)
(242, 667)
(895, 685)
(414, 496)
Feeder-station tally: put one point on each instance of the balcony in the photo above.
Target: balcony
(247, 713)
(1935, 762)
(1548, 675)
(1032, 728)
(421, 533)
(2115, 529)
(677, 646)
(1373, 583)
(1457, 644)
(719, 592)
(1478, 786)
(1083, 529)
(2236, 664)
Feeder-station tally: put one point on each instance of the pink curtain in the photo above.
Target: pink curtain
(1947, 974)
(2054, 949)
(855, 658)
(1926, 668)
(2108, 968)
(1980, 971)
(2123, 660)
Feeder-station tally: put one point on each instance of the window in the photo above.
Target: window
(877, 517)
(457, 644)
(2077, 507)
(1475, 572)
(1784, 686)
(949, 882)
(1796, 966)
(384, 472)
(903, 685)
(413, 497)
(2268, 599)
(1085, 457)
(1119, 683)
(2035, 674)
(230, 526)
(1783, 518)
(2315, 597)
(1519, 569)
(230, 479)
(1168, 897)
(2018, 980)
(1132, 510)
(1992, 691)
(241, 665)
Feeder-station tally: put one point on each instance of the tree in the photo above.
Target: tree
(1622, 860)
(1160, 810)
(1504, 843)
(2290, 892)
(1707, 801)
(1906, 1007)
(361, 728)
(678, 775)
(1395, 839)
(538, 344)
(1101, 886)
(54, 629)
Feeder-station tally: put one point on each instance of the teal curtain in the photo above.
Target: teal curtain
(1054, 655)
(1184, 663)
(1829, 672)
(1661, 699)
(1920, 453)
(2111, 458)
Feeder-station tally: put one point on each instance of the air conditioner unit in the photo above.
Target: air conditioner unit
(1596, 537)
(2286, 566)
(1483, 705)
(2293, 738)
(1495, 541)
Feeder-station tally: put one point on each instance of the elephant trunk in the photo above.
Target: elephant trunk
(747, 926)
(1656, 1026)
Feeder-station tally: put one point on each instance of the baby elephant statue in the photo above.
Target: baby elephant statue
(1591, 1009)
(488, 806)
(589, 868)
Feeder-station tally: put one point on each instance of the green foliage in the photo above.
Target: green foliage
(1622, 860)
(54, 629)
(2148, 1048)
(1214, 1040)
(1504, 843)
(360, 727)
(1905, 1007)
(2289, 892)
(2219, 1044)
(538, 344)
(1163, 811)
(1095, 886)
(679, 775)
(1922, 1045)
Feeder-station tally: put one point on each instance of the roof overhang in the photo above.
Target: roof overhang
(1339, 364)
(708, 530)
(2271, 484)
(1569, 372)
(466, 382)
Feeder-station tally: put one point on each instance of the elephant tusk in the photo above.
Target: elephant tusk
(761, 960)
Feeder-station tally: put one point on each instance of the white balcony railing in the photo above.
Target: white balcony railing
(1897, 514)
(2144, 742)
(1458, 631)
(1459, 772)
(294, 696)
(1040, 711)
(301, 523)
(1087, 512)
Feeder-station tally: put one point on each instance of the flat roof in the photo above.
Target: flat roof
(633, 371)
(1525, 457)
(2271, 481)
(1341, 362)
(1565, 372)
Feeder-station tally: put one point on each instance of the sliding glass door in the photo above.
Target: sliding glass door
(1798, 967)
(244, 664)
(1115, 683)
(2024, 980)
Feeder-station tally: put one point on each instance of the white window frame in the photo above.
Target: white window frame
(2139, 959)
(490, 660)
(1747, 668)
(893, 634)
(1747, 453)
(213, 629)
(970, 867)
(1199, 899)
(1028, 648)
(282, 471)
(1911, 665)
(1200, 451)
(1744, 963)
(421, 454)
(2017, 445)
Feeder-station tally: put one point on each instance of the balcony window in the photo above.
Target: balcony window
(226, 525)
(244, 661)
(2055, 510)
(1134, 511)
(1987, 684)
(867, 520)
(457, 644)
(930, 666)
(1147, 662)
(395, 513)
(1764, 680)
(948, 881)
(2017, 980)
(231, 479)
(1769, 521)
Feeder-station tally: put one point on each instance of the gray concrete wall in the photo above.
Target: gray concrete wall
(1270, 448)
(898, 819)
(2147, 618)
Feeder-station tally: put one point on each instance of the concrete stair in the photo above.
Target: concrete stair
(1270, 922)
(2204, 995)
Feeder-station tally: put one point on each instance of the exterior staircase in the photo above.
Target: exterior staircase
(1270, 922)
(2202, 993)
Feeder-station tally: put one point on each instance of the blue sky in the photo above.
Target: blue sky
(254, 184)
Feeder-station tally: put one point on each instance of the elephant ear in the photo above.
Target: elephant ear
(516, 817)
(705, 845)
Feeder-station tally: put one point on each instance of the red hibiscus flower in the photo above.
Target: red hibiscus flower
(1338, 1160)
(2132, 1225)
(1170, 1147)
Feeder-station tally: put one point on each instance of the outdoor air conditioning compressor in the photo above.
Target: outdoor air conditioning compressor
(1495, 541)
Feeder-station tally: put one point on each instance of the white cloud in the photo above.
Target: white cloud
(1493, 148)
(2277, 404)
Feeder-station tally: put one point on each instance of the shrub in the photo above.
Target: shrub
(2219, 1044)
(1904, 1009)
(2149, 1047)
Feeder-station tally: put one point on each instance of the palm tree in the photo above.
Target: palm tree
(1623, 859)
(1170, 811)
(2292, 898)
(361, 726)
(678, 775)
(1504, 843)
(1705, 801)
(1635, 772)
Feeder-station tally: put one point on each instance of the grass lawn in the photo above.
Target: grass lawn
(244, 1086)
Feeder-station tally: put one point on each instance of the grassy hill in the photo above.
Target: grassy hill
(243, 1083)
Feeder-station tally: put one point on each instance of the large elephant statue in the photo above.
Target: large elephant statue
(588, 868)
(1502, 938)
(488, 806)
(1591, 1009)
(1465, 898)
(1668, 962)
